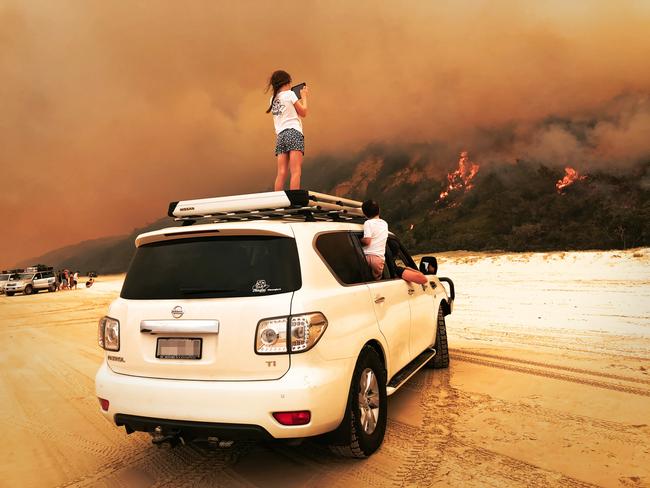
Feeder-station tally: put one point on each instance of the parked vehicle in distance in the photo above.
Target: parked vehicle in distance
(4, 279)
(29, 283)
(264, 322)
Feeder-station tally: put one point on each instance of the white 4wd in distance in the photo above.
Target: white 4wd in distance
(264, 322)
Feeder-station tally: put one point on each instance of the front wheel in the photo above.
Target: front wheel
(28, 290)
(364, 425)
(441, 359)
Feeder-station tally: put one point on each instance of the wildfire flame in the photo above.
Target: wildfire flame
(570, 177)
(462, 177)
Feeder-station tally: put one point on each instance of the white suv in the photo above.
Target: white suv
(265, 323)
(30, 282)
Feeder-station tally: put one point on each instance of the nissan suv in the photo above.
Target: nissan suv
(259, 319)
(29, 283)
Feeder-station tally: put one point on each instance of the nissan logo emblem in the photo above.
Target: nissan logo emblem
(177, 312)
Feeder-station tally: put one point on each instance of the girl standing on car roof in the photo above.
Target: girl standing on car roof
(287, 110)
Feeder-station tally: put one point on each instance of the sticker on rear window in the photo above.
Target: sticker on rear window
(261, 286)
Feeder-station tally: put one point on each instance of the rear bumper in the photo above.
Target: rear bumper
(243, 408)
(192, 430)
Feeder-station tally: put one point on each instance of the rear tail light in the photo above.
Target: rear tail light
(300, 417)
(294, 333)
(104, 404)
(108, 334)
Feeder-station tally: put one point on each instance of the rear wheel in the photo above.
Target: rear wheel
(441, 359)
(28, 290)
(364, 425)
(51, 288)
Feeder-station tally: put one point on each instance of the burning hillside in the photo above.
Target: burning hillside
(511, 206)
(570, 177)
(460, 179)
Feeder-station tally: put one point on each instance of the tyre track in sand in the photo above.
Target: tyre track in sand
(547, 341)
(438, 455)
(546, 372)
(182, 466)
(434, 434)
(551, 366)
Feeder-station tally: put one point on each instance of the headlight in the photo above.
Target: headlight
(303, 331)
(108, 334)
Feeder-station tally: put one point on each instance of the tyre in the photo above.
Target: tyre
(51, 288)
(441, 359)
(28, 290)
(363, 427)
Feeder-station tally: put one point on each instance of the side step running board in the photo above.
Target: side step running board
(409, 370)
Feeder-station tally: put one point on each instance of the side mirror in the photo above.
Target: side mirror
(429, 265)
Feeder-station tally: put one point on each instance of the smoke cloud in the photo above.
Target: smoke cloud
(112, 109)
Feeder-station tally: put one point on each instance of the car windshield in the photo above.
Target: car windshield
(4, 277)
(213, 267)
(25, 276)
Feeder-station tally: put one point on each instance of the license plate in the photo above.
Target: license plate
(178, 348)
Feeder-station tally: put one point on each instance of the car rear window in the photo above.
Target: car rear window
(213, 267)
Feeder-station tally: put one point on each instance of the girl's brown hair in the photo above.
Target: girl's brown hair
(278, 79)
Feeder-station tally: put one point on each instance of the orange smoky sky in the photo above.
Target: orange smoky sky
(109, 110)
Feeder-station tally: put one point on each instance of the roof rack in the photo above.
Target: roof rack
(303, 205)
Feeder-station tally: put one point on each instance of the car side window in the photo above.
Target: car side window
(37, 276)
(386, 275)
(342, 256)
(396, 256)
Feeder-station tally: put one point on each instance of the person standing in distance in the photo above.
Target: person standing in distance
(375, 234)
(287, 111)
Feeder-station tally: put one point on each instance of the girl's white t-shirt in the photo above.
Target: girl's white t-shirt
(284, 113)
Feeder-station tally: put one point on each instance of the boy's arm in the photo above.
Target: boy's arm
(367, 235)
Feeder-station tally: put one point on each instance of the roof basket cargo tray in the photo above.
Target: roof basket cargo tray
(303, 205)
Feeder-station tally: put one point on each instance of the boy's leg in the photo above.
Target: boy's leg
(283, 163)
(376, 266)
(295, 165)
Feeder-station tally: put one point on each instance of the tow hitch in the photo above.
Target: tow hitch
(159, 438)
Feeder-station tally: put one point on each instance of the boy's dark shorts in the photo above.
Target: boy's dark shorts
(290, 140)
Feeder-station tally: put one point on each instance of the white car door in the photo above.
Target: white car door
(391, 303)
(390, 300)
(421, 303)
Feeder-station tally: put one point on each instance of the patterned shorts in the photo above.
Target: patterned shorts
(290, 140)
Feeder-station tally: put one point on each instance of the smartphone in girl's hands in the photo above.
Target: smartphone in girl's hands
(296, 89)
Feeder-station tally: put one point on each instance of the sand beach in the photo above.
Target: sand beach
(549, 385)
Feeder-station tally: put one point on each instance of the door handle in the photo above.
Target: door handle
(380, 299)
(411, 291)
(179, 326)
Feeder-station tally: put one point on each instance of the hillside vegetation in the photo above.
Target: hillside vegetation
(514, 207)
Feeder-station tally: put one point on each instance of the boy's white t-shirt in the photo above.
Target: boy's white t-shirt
(377, 230)
(284, 113)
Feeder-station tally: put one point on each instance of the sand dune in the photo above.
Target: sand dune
(549, 385)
